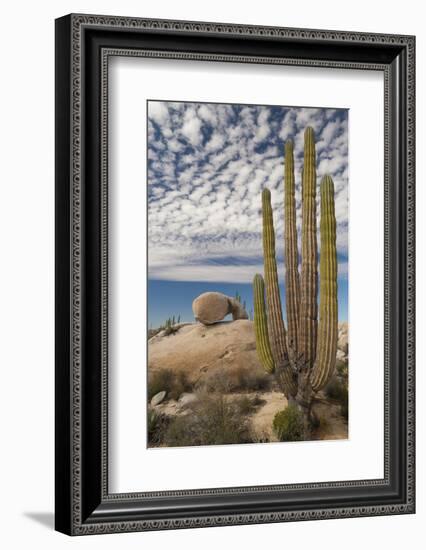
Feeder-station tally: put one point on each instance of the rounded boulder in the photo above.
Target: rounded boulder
(211, 307)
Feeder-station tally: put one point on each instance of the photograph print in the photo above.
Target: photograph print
(247, 274)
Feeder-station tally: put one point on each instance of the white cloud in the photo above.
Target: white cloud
(158, 111)
(207, 114)
(191, 130)
(216, 142)
(205, 202)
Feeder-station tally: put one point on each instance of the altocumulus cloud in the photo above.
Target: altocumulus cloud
(207, 166)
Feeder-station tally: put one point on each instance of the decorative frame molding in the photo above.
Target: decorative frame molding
(84, 43)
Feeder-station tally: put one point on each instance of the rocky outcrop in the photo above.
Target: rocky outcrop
(213, 307)
(199, 350)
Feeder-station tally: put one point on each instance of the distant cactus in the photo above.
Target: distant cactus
(238, 299)
(302, 358)
(170, 326)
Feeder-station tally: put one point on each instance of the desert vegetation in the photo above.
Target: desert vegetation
(237, 406)
(173, 383)
(170, 326)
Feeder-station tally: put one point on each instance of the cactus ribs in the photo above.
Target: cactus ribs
(303, 357)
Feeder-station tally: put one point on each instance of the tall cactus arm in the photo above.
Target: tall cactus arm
(273, 300)
(283, 372)
(309, 273)
(263, 346)
(327, 329)
(292, 284)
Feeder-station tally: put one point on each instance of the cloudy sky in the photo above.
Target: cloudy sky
(207, 166)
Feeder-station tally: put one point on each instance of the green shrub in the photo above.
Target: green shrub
(174, 383)
(288, 424)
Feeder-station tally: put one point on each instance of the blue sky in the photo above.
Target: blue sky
(207, 166)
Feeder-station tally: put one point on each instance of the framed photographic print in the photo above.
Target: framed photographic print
(234, 274)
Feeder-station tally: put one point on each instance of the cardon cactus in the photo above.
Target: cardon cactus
(303, 357)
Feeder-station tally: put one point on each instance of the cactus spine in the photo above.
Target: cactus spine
(303, 359)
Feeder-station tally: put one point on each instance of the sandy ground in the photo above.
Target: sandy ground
(261, 420)
(332, 425)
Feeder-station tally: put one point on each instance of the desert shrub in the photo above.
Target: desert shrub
(159, 380)
(211, 420)
(153, 332)
(288, 424)
(250, 379)
(157, 424)
(236, 380)
(247, 404)
(173, 383)
(214, 381)
(335, 389)
(181, 385)
(170, 329)
(342, 368)
(338, 390)
(244, 404)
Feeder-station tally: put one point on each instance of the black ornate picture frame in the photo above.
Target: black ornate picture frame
(84, 43)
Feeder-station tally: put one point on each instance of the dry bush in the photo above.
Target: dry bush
(212, 420)
(174, 383)
(214, 381)
(337, 390)
(342, 368)
(248, 404)
(157, 424)
(236, 380)
(249, 379)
